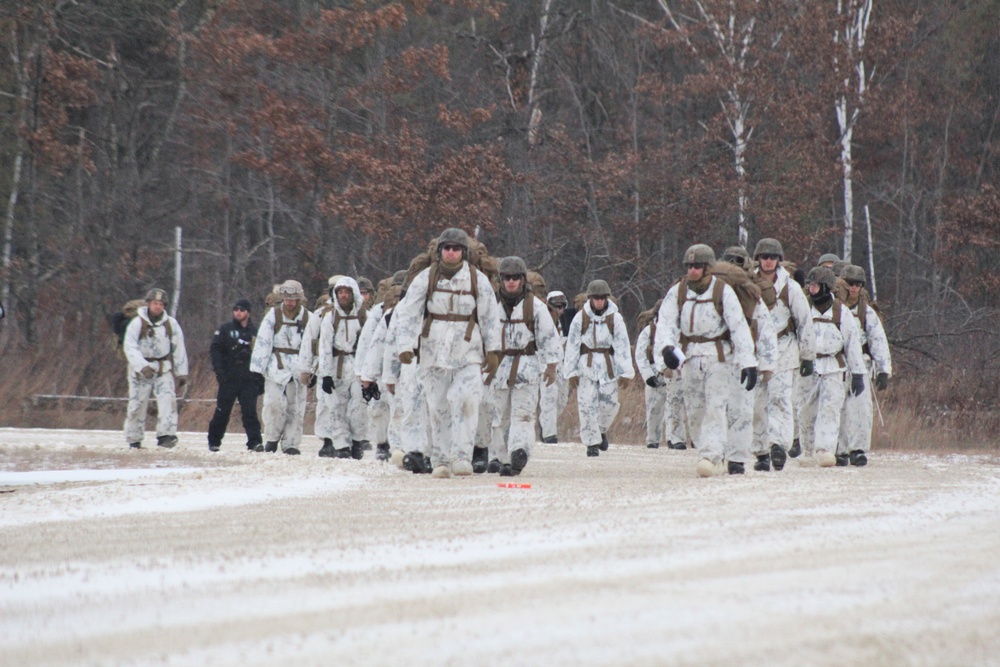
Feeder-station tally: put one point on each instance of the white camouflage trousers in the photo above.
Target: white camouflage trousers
(378, 413)
(856, 421)
(283, 412)
(484, 425)
(739, 421)
(707, 388)
(139, 391)
(551, 403)
(452, 396)
(411, 410)
(598, 406)
(324, 406)
(773, 417)
(823, 401)
(665, 412)
(347, 417)
(514, 419)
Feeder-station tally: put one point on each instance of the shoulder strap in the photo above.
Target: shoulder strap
(278, 320)
(652, 339)
(529, 312)
(585, 322)
(717, 290)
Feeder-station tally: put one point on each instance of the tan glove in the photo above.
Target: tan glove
(574, 382)
(304, 378)
(491, 362)
(406, 357)
(147, 372)
(181, 381)
(622, 382)
(391, 388)
(765, 376)
(550, 375)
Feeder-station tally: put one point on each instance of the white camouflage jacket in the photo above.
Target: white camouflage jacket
(308, 361)
(276, 355)
(799, 344)
(155, 347)
(595, 365)
(838, 349)
(873, 336)
(517, 336)
(337, 345)
(445, 346)
(367, 334)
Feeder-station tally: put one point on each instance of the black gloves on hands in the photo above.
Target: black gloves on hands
(328, 384)
(881, 381)
(656, 381)
(672, 362)
(857, 384)
(748, 377)
(371, 392)
(806, 368)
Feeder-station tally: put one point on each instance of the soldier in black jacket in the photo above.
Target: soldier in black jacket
(230, 352)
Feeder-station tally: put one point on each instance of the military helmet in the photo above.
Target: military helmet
(699, 253)
(822, 275)
(157, 294)
(736, 254)
(838, 266)
(828, 257)
(853, 272)
(333, 280)
(291, 289)
(513, 266)
(454, 236)
(769, 247)
(365, 284)
(399, 277)
(598, 288)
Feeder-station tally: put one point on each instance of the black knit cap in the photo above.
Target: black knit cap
(242, 303)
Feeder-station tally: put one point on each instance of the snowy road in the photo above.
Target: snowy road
(184, 557)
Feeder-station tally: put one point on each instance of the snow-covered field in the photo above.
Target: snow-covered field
(184, 557)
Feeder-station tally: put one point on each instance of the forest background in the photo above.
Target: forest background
(303, 138)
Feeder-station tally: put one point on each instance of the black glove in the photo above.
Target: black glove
(259, 379)
(328, 384)
(806, 368)
(669, 359)
(881, 381)
(312, 382)
(371, 392)
(651, 381)
(748, 377)
(857, 384)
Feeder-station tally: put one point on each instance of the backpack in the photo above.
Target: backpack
(120, 321)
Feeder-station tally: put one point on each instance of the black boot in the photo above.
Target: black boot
(843, 460)
(213, 447)
(135, 445)
(778, 457)
(343, 453)
(427, 465)
(858, 458)
(357, 449)
(796, 449)
(167, 441)
(327, 450)
(382, 452)
(593, 450)
(506, 470)
(292, 451)
(604, 442)
(518, 460)
(653, 445)
(676, 445)
(763, 463)
(414, 462)
(550, 440)
(480, 459)
(493, 467)
(735, 468)
(271, 446)
(255, 447)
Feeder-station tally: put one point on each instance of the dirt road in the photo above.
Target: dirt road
(184, 557)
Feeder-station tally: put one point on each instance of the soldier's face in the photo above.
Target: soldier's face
(695, 272)
(768, 263)
(854, 288)
(343, 295)
(814, 288)
(451, 253)
(366, 295)
(290, 303)
(241, 315)
(156, 308)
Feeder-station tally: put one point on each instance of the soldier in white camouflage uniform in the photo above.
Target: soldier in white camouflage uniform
(715, 345)
(530, 349)
(774, 416)
(338, 339)
(838, 352)
(450, 316)
(154, 347)
(598, 361)
(664, 392)
(308, 366)
(276, 357)
(553, 397)
(741, 402)
(856, 421)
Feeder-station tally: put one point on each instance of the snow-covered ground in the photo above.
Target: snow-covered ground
(184, 557)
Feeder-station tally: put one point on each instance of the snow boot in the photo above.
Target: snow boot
(292, 451)
(342, 453)
(763, 463)
(604, 442)
(676, 445)
(255, 447)
(858, 458)
(480, 459)
(327, 450)
(166, 441)
(396, 458)
(735, 468)
(593, 450)
(550, 440)
(414, 462)
(382, 452)
(843, 460)
(796, 449)
(272, 446)
(778, 457)
(135, 445)
(461, 468)
(358, 449)
(518, 460)
(441, 472)
(706, 468)
(825, 459)
(506, 470)
(653, 445)
(494, 466)
(214, 447)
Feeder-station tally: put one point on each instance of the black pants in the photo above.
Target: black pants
(231, 390)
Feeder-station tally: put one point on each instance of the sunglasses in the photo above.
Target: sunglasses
(242, 310)
(696, 265)
(768, 256)
(510, 279)
(855, 283)
(452, 247)
(559, 306)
